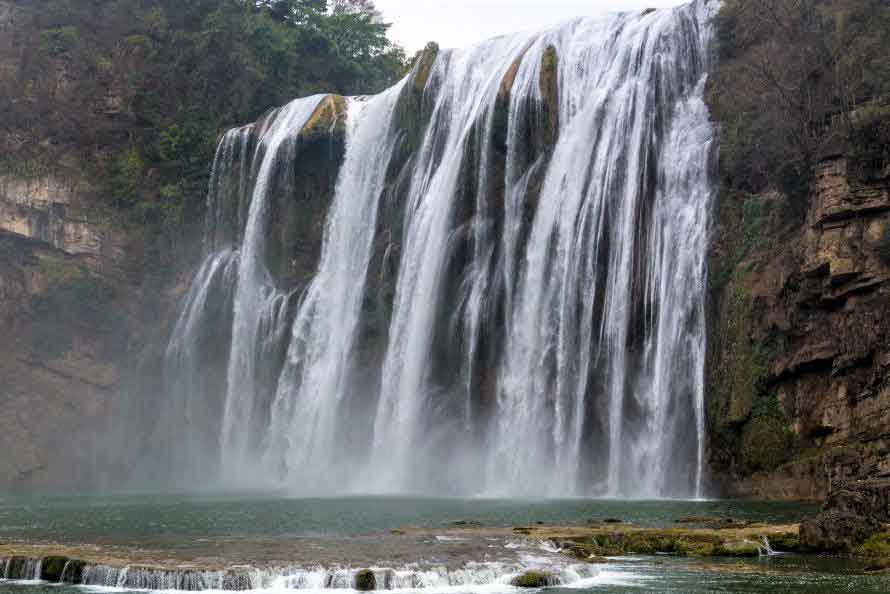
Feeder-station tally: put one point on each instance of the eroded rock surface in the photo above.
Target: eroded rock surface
(799, 369)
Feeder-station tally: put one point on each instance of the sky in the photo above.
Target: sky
(461, 23)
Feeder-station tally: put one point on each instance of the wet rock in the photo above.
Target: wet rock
(839, 531)
(870, 498)
(73, 572)
(852, 513)
(535, 579)
(51, 568)
(365, 581)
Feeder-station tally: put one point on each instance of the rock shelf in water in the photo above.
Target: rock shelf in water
(563, 554)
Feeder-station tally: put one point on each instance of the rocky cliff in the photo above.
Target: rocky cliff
(80, 292)
(800, 338)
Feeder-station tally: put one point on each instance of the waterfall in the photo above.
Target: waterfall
(508, 294)
(254, 293)
(306, 416)
(472, 574)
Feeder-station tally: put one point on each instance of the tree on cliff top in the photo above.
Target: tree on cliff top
(154, 82)
(790, 79)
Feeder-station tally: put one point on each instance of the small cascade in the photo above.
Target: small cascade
(21, 568)
(322, 578)
(765, 549)
(101, 575)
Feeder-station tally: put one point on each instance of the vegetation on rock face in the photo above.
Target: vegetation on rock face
(137, 92)
(794, 82)
(793, 79)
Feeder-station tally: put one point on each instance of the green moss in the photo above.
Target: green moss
(766, 444)
(743, 368)
(365, 580)
(58, 41)
(328, 118)
(425, 65)
(535, 579)
(786, 542)
(683, 542)
(876, 547)
(125, 177)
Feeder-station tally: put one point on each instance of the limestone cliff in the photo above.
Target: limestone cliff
(80, 292)
(800, 335)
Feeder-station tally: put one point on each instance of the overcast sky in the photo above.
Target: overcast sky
(459, 23)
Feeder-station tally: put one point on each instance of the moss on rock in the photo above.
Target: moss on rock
(365, 581)
(535, 579)
(765, 443)
(329, 118)
(73, 572)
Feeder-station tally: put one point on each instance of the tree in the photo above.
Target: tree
(791, 75)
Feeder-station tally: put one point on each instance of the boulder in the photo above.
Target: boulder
(365, 581)
(51, 568)
(535, 579)
(837, 531)
(870, 498)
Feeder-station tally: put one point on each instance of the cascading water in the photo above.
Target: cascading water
(509, 295)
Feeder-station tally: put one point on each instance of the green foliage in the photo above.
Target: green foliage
(187, 71)
(534, 579)
(766, 444)
(126, 175)
(790, 74)
(59, 40)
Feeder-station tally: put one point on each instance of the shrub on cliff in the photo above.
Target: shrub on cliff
(140, 90)
(790, 75)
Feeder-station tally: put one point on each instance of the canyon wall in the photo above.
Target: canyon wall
(84, 299)
(800, 335)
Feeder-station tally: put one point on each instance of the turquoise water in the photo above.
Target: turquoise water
(352, 531)
(80, 519)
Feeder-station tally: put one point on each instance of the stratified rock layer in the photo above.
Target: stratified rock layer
(800, 327)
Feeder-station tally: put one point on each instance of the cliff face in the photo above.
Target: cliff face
(800, 350)
(80, 293)
(77, 302)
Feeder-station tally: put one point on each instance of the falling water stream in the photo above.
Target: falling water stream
(509, 297)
